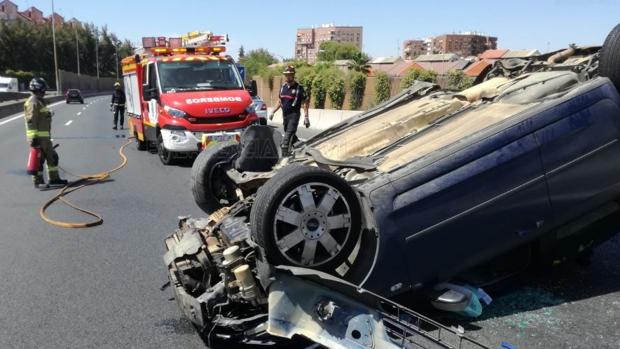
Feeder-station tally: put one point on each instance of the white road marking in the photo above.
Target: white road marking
(68, 122)
(78, 114)
(19, 116)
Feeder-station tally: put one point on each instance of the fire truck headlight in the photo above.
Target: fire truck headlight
(174, 112)
(250, 109)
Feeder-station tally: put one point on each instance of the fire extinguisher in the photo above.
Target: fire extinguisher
(34, 161)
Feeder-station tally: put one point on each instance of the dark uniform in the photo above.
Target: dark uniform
(118, 103)
(291, 99)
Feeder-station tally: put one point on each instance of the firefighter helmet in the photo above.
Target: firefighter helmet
(289, 70)
(37, 85)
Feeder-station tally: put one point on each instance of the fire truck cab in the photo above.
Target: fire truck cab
(182, 93)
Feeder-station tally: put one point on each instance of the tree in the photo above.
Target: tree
(257, 61)
(330, 51)
(359, 63)
(336, 92)
(419, 75)
(458, 81)
(382, 88)
(357, 86)
(241, 53)
(26, 49)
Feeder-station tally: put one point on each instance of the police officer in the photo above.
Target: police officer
(118, 105)
(38, 126)
(292, 97)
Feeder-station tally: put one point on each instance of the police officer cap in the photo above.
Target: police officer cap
(289, 70)
(37, 85)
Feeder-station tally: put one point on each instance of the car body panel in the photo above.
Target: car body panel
(495, 181)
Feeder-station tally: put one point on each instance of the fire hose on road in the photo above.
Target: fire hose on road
(83, 181)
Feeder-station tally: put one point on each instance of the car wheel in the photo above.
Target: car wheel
(82, 101)
(308, 217)
(67, 102)
(610, 57)
(211, 188)
(165, 155)
(140, 145)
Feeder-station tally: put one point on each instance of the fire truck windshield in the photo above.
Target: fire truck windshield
(198, 75)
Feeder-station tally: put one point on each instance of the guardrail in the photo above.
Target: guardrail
(10, 108)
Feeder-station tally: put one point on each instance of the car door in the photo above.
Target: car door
(581, 152)
(471, 205)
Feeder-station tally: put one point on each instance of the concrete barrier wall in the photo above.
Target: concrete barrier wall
(7, 109)
(84, 82)
(12, 96)
(320, 119)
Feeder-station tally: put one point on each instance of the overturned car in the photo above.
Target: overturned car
(429, 188)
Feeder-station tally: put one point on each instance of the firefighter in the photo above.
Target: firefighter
(118, 105)
(292, 97)
(38, 126)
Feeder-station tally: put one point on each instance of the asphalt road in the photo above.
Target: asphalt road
(99, 287)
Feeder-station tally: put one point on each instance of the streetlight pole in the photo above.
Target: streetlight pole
(77, 49)
(55, 56)
(116, 58)
(97, 52)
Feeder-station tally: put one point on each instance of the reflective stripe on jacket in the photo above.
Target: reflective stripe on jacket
(38, 118)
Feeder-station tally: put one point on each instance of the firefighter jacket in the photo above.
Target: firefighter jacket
(118, 98)
(38, 118)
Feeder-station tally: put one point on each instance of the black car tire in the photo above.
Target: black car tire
(166, 156)
(278, 190)
(210, 184)
(82, 101)
(610, 57)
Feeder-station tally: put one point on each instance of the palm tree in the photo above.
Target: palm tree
(359, 63)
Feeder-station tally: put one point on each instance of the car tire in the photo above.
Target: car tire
(209, 183)
(82, 101)
(609, 64)
(298, 243)
(166, 156)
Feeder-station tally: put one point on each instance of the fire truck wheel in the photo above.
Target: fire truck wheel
(166, 156)
(211, 187)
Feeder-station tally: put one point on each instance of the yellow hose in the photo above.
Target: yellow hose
(84, 181)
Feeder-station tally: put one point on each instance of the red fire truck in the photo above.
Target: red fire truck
(183, 93)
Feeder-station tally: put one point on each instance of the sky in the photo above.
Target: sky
(543, 24)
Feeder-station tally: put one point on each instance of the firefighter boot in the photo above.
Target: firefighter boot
(285, 151)
(38, 180)
(52, 171)
(58, 182)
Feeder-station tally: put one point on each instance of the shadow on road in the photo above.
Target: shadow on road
(566, 283)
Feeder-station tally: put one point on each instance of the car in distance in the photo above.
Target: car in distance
(74, 95)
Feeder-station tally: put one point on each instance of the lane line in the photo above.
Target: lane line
(18, 116)
(68, 122)
(78, 114)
